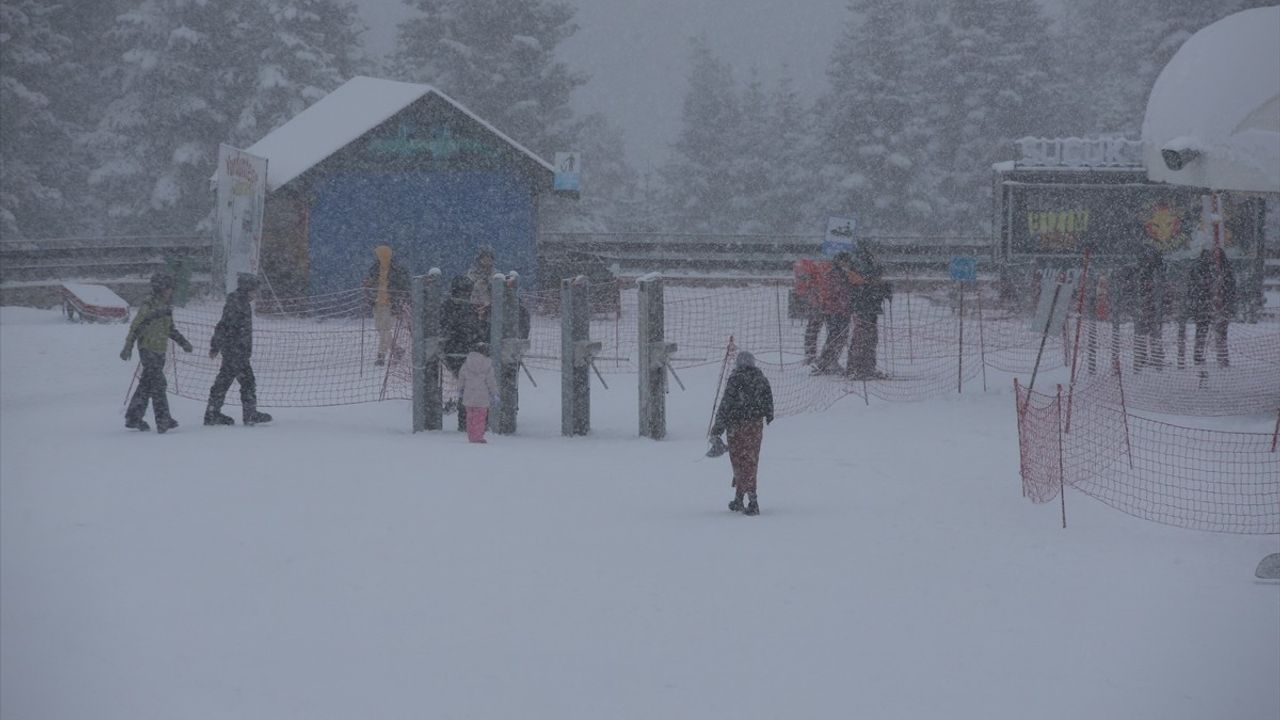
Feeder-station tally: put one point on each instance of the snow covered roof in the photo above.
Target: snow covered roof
(1220, 96)
(337, 119)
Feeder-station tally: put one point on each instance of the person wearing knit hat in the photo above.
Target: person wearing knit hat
(151, 331)
(233, 339)
(745, 408)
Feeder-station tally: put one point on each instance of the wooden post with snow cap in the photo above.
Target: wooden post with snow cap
(653, 354)
(428, 405)
(576, 356)
(506, 349)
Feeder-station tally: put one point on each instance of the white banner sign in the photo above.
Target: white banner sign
(242, 193)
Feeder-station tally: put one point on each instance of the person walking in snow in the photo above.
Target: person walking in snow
(479, 389)
(390, 286)
(152, 329)
(233, 339)
(747, 406)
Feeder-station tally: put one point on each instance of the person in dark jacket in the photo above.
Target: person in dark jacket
(744, 410)
(462, 328)
(868, 291)
(1210, 300)
(152, 329)
(1147, 295)
(233, 339)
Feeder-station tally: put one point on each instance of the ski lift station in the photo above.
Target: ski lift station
(380, 162)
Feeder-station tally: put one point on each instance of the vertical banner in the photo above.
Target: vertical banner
(839, 236)
(568, 177)
(242, 193)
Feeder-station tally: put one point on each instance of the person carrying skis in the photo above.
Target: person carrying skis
(747, 406)
(152, 329)
(233, 338)
(390, 285)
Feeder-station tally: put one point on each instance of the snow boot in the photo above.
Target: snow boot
(164, 425)
(753, 507)
(736, 504)
(256, 418)
(137, 425)
(213, 417)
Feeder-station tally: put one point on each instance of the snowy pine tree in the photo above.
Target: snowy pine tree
(308, 48)
(991, 84)
(192, 74)
(37, 197)
(497, 57)
(873, 157)
(700, 195)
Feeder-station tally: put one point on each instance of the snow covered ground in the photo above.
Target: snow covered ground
(334, 565)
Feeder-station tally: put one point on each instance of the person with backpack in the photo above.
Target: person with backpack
(462, 328)
(747, 406)
(233, 339)
(152, 329)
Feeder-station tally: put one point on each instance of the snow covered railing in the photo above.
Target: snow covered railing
(725, 259)
(33, 270)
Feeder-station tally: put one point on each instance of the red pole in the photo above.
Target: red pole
(1022, 452)
(1124, 411)
(960, 353)
(982, 346)
(1075, 345)
(1062, 483)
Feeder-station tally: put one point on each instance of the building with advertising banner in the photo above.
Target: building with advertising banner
(1066, 196)
(380, 162)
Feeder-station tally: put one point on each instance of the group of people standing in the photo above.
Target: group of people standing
(465, 326)
(846, 298)
(1145, 293)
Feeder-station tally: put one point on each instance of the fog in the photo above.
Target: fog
(637, 53)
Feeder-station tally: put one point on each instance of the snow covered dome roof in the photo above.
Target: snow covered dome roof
(339, 118)
(1216, 107)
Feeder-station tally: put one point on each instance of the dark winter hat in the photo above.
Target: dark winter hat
(481, 347)
(485, 251)
(161, 281)
(247, 281)
(746, 359)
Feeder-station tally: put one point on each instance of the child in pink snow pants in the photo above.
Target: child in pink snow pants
(479, 389)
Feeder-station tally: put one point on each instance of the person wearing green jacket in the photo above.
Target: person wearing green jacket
(152, 329)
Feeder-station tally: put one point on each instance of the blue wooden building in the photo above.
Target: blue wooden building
(383, 162)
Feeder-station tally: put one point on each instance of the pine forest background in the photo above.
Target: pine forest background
(111, 111)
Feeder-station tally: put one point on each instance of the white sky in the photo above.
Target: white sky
(636, 53)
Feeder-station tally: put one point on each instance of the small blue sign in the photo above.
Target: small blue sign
(964, 269)
(839, 236)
